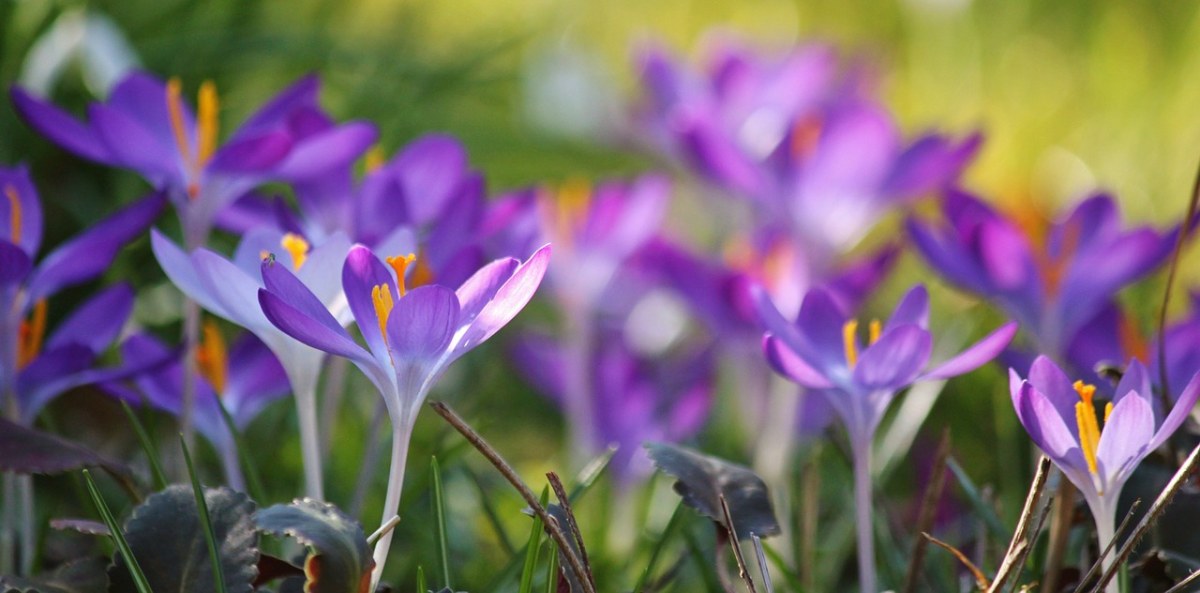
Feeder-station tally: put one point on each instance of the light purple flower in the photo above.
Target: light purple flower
(33, 368)
(411, 335)
(146, 126)
(1096, 452)
(1054, 288)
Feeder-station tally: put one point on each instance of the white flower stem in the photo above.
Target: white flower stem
(401, 435)
(232, 466)
(578, 400)
(1105, 518)
(863, 516)
(305, 392)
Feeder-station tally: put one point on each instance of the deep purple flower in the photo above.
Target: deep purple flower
(1054, 288)
(34, 368)
(822, 351)
(411, 335)
(145, 125)
(1097, 453)
(637, 399)
(245, 388)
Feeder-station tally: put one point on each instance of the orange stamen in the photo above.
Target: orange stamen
(30, 335)
(14, 212)
(178, 127)
(381, 296)
(296, 246)
(212, 358)
(400, 265)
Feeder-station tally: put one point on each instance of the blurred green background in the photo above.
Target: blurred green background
(1071, 95)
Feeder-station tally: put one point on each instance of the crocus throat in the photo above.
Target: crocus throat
(1089, 427)
(805, 137)
(206, 130)
(381, 296)
(212, 358)
(14, 212)
(296, 246)
(850, 338)
(30, 335)
(568, 209)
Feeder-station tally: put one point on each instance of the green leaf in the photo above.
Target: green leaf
(167, 537)
(210, 539)
(533, 547)
(124, 551)
(339, 560)
(85, 575)
(439, 513)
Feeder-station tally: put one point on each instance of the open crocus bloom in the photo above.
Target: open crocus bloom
(411, 335)
(146, 126)
(1096, 451)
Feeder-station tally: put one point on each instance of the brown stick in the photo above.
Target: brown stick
(737, 549)
(1184, 230)
(980, 579)
(1021, 542)
(933, 493)
(564, 500)
(510, 474)
(1061, 514)
(1108, 548)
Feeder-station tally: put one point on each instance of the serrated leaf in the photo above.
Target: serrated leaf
(25, 450)
(166, 537)
(85, 575)
(703, 479)
(339, 559)
(84, 526)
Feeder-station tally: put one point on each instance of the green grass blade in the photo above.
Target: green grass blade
(552, 570)
(704, 565)
(489, 511)
(139, 578)
(533, 547)
(160, 478)
(659, 546)
(202, 507)
(439, 512)
(253, 479)
(422, 587)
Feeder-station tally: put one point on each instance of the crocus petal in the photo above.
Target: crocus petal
(1124, 440)
(182, 272)
(97, 322)
(322, 152)
(788, 364)
(15, 264)
(282, 283)
(1047, 429)
(322, 336)
(429, 171)
(977, 355)
(507, 302)
(895, 360)
(90, 253)
(300, 95)
(60, 127)
(361, 273)
(28, 218)
(1054, 385)
(1179, 412)
(929, 163)
(235, 290)
(771, 319)
(144, 96)
(134, 146)
(1136, 379)
(913, 309)
(481, 287)
(254, 154)
(821, 321)
(422, 323)
(255, 381)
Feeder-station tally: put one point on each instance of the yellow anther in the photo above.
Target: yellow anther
(14, 212)
(381, 295)
(374, 159)
(296, 246)
(207, 124)
(212, 358)
(1085, 419)
(850, 341)
(876, 330)
(30, 335)
(1107, 411)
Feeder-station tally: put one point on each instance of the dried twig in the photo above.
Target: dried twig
(1019, 546)
(1108, 548)
(1191, 578)
(1176, 254)
(1160, 503)
(510, 474)
(1037, 532)
(1061, 513)
(736, 545)
(564, 500)
(933, 493)
(981, 579)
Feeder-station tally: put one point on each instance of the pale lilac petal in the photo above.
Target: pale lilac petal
(788, 364)
(481, 287)
(181, 270)
(771, 319)
(97, 322)
(1182, 408)
(61, 128)
(913, 309)
(256, 378)
(1137, 380)
(1124, 441)
(322, 270)
(895, 360)
(1055, 385)
(280, 282)
(1047, 429)
(821, 321)
(361, 273)
(235, 291)
(320, 335)
(977, 355)
(507, 302)
(422, 323)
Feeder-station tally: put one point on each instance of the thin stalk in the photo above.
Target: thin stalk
(8, 539)
(191, 341)
(439, 513)
(233, 471)
(370, 459)
(401, 435)
(310, 438)
(863, 517)
(210, 537)
(28, 533)
(114, 530)
(160, 479)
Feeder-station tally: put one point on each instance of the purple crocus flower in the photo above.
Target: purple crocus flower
(822, 351)
(411, 335)
(1097, 456)
(34, 369)
(145, 125)
(1054, 289)
(637, 399)
(229, 289)
(244, 388)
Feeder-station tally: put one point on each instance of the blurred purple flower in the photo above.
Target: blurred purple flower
(33, 368)
(244, 388)
(411, 335)
(1053, 289)
(822, 352)
(1061, 418)
(145, 125)
(637, 399)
